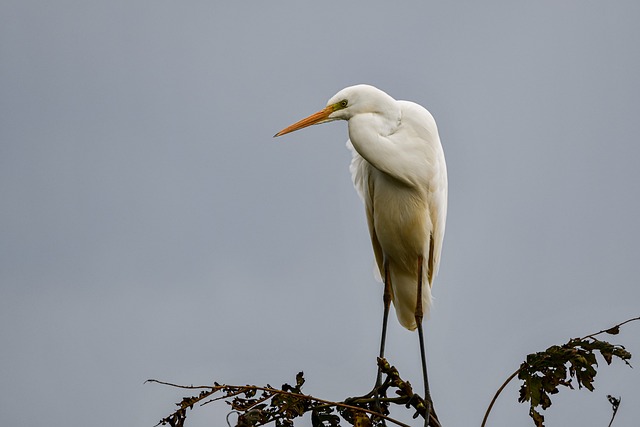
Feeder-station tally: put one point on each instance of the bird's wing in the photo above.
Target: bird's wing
(360, 173)
(438, 216)
(421, 128)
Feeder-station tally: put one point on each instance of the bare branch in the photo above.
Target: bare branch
(495, 396)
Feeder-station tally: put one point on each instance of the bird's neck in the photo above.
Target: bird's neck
(382, 123)
(380, 140)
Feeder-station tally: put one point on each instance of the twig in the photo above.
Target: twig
(495, 397)
(232, 395)
(612, 330)
(615, 404)
(190, 387)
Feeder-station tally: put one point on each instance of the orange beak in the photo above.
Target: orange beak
(314, 119)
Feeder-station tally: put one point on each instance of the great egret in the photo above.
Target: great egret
(399, 170)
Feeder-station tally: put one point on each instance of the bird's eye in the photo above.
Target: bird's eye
(343, 103)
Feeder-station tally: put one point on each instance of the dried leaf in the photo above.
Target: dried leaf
(613, 331)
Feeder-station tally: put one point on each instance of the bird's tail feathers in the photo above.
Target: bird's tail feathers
(404, 288)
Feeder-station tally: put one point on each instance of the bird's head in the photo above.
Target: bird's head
(344, 105)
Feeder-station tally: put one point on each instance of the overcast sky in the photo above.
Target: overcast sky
(151, 227)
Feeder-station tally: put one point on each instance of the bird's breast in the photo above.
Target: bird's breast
(401, 220)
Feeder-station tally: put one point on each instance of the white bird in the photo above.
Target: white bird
(399, 170)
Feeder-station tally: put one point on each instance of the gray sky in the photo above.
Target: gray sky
(150, 227)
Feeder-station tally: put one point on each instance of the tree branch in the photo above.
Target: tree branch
(495, 396)
(234, 390)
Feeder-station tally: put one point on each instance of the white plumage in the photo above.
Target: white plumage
(399, 170)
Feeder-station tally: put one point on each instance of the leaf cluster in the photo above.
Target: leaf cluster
(575, 362)
(285, 405)
(257, 406)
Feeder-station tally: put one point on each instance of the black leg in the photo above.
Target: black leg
(427, 393)
(419, 314)
(387, 302)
